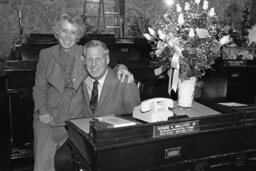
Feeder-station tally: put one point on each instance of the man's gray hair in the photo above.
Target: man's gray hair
(96, 43)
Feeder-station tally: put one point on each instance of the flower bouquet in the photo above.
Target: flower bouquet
(186, 40)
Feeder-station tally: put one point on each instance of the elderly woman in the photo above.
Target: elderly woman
(58, 92)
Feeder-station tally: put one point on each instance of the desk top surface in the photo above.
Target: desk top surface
(197, 110)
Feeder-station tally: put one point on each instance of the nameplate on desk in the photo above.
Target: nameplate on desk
(175, 128)
(234, 63)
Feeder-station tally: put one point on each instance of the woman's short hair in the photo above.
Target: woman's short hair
(96, 43)
(76, 20)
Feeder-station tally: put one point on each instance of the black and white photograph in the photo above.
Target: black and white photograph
(128, 85)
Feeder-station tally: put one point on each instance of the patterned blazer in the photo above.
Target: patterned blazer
(48, 91)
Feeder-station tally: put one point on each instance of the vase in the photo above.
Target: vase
(186, 91)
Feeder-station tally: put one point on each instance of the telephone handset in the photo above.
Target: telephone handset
(154, 110)
(157, 104)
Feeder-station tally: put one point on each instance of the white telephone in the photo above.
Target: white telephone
(154, 110)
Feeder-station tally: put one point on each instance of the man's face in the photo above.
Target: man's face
(67, 35)
(96, 62)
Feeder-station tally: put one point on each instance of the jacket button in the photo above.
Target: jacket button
(74, 79)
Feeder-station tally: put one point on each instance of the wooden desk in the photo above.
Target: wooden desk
(218, 141)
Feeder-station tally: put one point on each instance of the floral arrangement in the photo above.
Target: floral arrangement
(187, 39)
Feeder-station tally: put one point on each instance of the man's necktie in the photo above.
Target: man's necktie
(94, 96)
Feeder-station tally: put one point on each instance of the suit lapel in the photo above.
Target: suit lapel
(56, 76)
(79, 71)
(56, 55)
(107, 87)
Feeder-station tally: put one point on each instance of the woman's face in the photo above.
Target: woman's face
(67, 34)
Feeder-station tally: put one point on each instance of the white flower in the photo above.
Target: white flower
(252, 35)
(187, 6)
(161, 34)
(147, 36)
(171, 40)
(160, 47)
(211, 12)
(151, 31)
(202, 33)
(166, 17)
(197, 1)
(181, 19)
(205, 5)
(225, 40)
(191, 32)
(178, 8)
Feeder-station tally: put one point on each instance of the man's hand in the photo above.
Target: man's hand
(123, 72)
(45, 117)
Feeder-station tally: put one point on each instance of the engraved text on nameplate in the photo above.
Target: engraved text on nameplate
(175, 128)
(235, 63)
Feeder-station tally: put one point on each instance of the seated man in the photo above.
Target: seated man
(113, 97)
(104, 93)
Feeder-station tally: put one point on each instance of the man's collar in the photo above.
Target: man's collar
(102, 79)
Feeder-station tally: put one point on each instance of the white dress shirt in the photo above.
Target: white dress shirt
(89, 84)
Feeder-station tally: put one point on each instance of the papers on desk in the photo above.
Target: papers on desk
(234, 104)
(111, 121)
(115, 122)
(83, 124)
